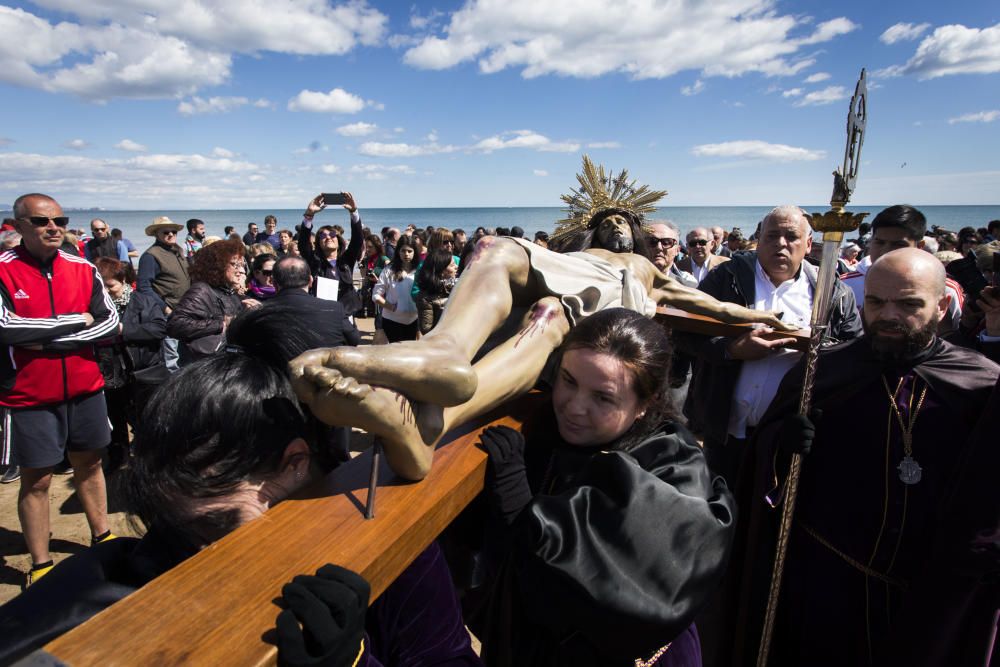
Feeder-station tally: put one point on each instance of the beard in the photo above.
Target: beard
(904, 348)
(616, 243)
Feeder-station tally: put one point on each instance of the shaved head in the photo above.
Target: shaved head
(916, 265)
(904, 301)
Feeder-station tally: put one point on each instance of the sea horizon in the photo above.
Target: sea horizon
(531, 219)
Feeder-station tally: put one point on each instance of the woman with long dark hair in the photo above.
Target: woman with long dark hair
(434, 281)
(371, 265)
(609, 530)
(392, 294)
(330, 257)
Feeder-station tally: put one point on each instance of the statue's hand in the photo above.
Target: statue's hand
(773, 320)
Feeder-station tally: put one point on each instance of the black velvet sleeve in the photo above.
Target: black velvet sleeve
(629, 553)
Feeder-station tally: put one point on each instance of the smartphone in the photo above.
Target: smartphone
(334, 198)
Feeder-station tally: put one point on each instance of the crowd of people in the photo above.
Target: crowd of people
(632, 521)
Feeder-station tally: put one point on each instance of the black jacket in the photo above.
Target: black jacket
(714, 379)
(327, 319)
(198, 319)
(344, 271)
(324, 317)
(613, 557)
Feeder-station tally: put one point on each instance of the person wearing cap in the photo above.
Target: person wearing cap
(163, 272)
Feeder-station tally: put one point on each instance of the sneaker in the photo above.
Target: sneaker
(37, 572)
(11, 474)
(106, 537)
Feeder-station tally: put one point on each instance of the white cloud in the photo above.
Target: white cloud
(379, 172)
(337, 100)
(398, 130)
(218, 151)
(198, 105)
(540, 172)
(513, 139)
(313, 147)
(980, 117)
(817, 77)
(641, 39)
(604, 144)
(76, 144)
(433, 136)
(757, 150)
(131, 146)
(524, 139)
(694, 88)
(380, 149)
(952, 49)
(903, 32)
(828, 95)
(146, 181)
(791, 92)
(357, 129)
(419, 22)
(330, 169)
(155, 48)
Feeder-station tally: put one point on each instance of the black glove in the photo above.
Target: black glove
(796, 433)
(506, 477)
(331, 608)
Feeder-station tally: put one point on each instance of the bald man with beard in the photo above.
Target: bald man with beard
(896, 412)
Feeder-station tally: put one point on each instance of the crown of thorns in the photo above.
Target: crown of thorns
(602, 192)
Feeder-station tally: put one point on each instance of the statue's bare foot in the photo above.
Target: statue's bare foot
(432, 369)
(408, 430)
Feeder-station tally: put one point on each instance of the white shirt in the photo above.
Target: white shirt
(699, 272)
(759, 380)
(396, 292)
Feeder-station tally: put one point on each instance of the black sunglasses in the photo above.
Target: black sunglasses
(42, 221)
(698, 242)
(667, 243)
(266, 272)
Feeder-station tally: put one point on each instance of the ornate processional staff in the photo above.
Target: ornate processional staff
(832, 224)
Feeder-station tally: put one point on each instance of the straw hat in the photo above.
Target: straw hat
(162, 223)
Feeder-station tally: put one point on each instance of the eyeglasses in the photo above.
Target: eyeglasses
(698, 242)
(266, 272)
(325, 235)
(98, 229)
(239, 266)
(42, 221)
(169, 232)
(667, 243)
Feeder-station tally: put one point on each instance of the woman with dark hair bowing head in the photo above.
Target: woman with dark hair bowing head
(432, 286)
(222, 441)
(331, 257)
(613, 533)
(200, 319)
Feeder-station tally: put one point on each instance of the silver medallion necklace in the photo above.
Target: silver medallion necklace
(910, 471)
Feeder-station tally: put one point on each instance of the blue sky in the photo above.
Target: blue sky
(262, 103)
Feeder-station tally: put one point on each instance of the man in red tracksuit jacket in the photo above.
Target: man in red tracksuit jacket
(53, 307)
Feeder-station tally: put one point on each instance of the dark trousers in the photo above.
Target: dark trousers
(734, 460)
(395, 332)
